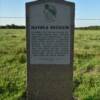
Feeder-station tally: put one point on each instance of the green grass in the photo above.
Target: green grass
(87, 65)
(13, 64)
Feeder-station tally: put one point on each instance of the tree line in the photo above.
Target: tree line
(13, 26)
(89, 28)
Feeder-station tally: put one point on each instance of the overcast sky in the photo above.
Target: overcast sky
(85, 9)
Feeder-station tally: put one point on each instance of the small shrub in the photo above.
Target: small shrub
(12, 87)
(22, 58)
(20, 50)
(2, 89)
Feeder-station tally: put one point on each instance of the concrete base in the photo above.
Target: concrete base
(49, 82)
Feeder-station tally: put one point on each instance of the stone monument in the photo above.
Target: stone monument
(50, 39)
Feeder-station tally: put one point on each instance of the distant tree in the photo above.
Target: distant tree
(13, 26)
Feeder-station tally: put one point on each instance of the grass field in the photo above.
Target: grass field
(13, 64)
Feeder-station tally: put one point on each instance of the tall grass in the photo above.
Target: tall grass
(13, 64)
(87, 65)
